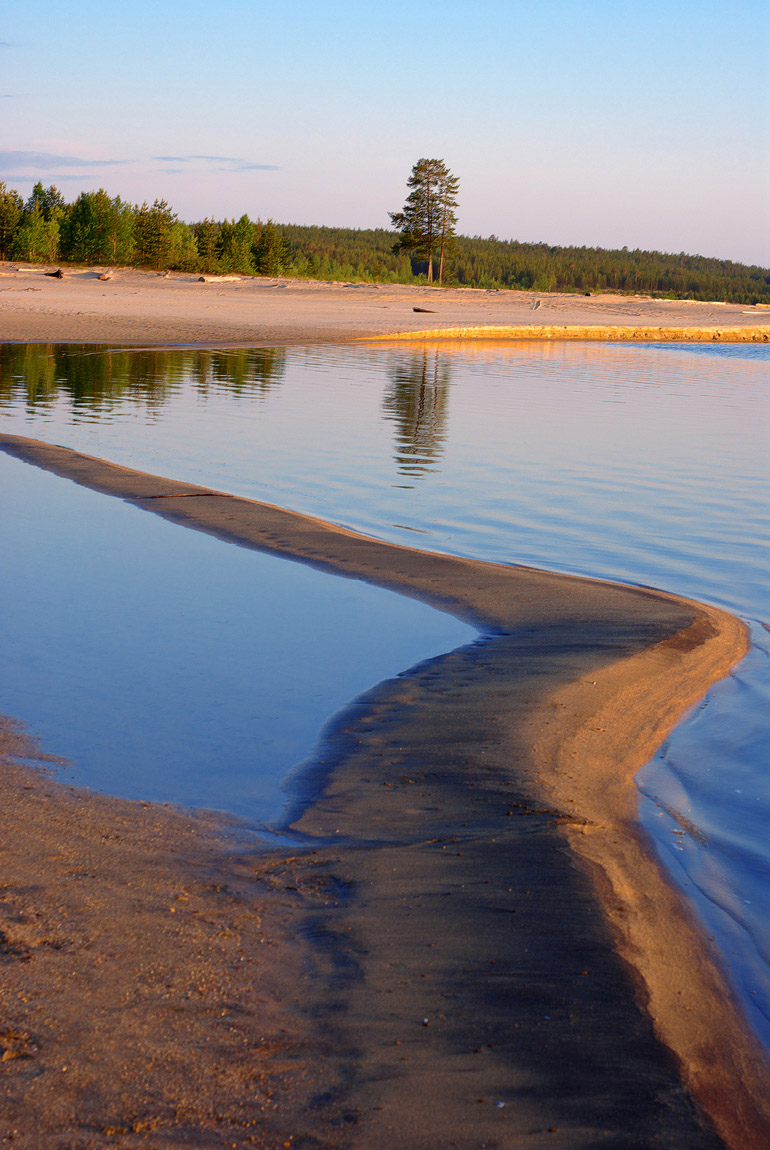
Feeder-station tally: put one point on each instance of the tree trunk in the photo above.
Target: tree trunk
(443, 238)
(429, 189)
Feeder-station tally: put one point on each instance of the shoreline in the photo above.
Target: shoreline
(570, 672)
(143, 308)
(597, 332)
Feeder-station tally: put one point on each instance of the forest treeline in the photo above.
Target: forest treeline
(348, 253)
(99, 229)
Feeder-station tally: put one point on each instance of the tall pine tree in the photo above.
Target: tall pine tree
(428, 221)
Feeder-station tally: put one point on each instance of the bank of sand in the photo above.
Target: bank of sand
(472, 946)
(139, 307)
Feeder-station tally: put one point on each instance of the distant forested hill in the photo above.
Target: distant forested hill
(347, 253)
(96, 228)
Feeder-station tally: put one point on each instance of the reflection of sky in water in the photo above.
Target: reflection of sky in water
(641, 463)
(168, 665)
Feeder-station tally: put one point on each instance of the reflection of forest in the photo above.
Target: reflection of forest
(96, 377)
(417, 401)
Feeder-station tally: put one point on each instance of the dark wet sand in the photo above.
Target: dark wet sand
(475, 919)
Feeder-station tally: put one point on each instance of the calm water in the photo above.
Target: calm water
(646, 464)
(168, 665)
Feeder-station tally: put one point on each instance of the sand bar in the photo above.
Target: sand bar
(474, 919)
(140, 307)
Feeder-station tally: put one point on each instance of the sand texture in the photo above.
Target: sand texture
(474, 916)
(139, 307)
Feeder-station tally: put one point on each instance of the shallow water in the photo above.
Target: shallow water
(646, 464)
(169, 666)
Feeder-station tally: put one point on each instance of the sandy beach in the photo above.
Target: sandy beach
(469, 942)
(140, 307)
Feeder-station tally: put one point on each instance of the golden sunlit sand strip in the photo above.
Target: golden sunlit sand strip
(594, 332)
(488, 951)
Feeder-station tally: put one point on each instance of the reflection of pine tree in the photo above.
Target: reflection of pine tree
(417, 402)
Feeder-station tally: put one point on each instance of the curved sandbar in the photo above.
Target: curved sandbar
(491, 783)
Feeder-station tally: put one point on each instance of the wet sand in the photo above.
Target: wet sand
(140, 307)
(473, 918)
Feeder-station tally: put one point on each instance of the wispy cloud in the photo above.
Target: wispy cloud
(234, 163)
(191, 158)
(13, 161)
(61, 177)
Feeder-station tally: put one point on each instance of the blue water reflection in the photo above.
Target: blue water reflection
(642, 463)
(170, 666)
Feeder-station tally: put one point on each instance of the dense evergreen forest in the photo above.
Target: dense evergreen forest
(99, 229)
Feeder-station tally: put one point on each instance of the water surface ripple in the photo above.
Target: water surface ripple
(640, 463)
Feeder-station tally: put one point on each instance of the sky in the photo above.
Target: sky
(644, 124)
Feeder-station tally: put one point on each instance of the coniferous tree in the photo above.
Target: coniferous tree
(154, 226)
(98, 229)
(271, 250)
(448, 192)
(207, 238)
(37, 239)
(11, 209)
(87, 231)
(122, 238)
(348, 253)
(37, 234)
(182, 251)
(50, 201)
(427, 222)
(234, 246)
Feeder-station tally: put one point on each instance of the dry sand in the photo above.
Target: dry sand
(138, 307)
(475, 917)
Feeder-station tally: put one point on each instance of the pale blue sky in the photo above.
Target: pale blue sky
(568, 121)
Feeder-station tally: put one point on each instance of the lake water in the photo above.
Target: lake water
(167, 665)
(642, 463)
